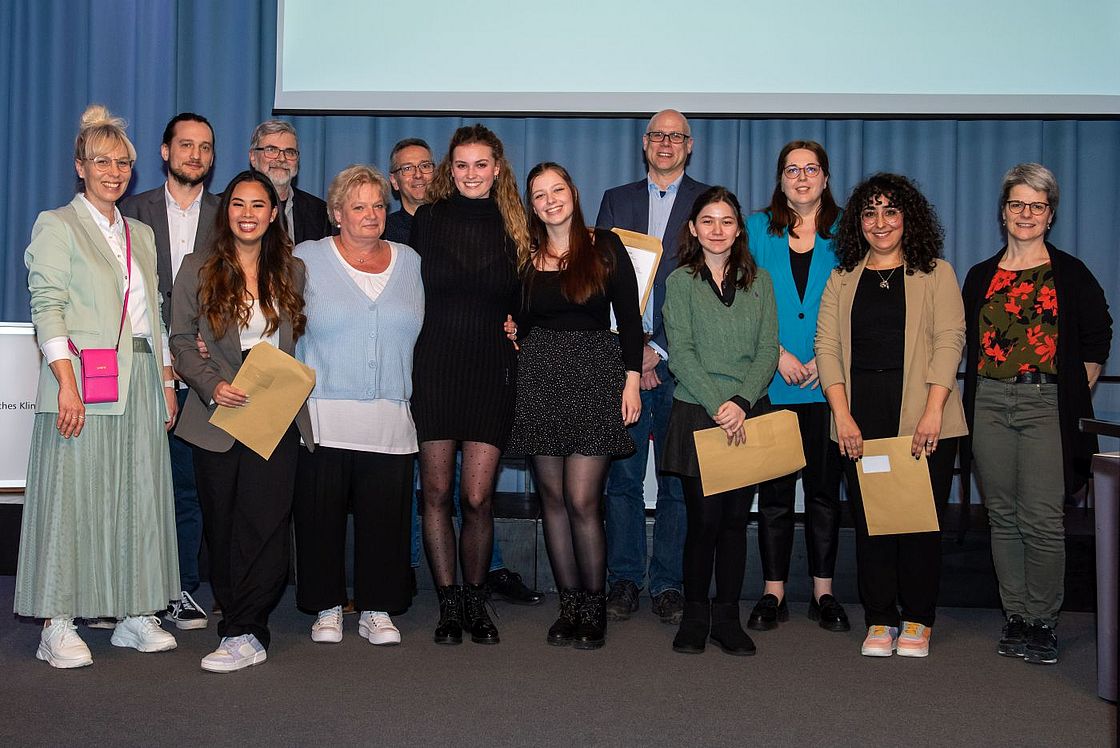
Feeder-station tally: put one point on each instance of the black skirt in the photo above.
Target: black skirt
(569, 395)
(679, 453)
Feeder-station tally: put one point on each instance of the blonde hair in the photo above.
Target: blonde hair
(350, 178)
(99, 130)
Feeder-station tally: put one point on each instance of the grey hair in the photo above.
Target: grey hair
(271, 127)
(347, 180)
(1035, 176)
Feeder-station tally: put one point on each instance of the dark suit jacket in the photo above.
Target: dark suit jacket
(310, 215)
(204, 374)
(151, 208)
(627, 207)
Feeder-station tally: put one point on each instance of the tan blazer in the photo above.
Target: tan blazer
(934, 340)
(204, 374)
(76, 292)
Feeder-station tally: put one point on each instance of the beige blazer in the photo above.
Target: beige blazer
(934, 339)
(76, 292)
(204, 374)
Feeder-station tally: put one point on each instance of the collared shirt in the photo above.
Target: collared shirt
(182, 228)
(660, 207)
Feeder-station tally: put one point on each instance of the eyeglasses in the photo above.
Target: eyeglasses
(891, 216)
(1017, 206)
(424, 167)
(273, 152)
(809, 170)
(676, 138)
(102, 163)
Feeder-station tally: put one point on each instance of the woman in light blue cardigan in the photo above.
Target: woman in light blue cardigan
(365, 307)
(794, 240)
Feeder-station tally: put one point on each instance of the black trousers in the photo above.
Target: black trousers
(821, 483)
(246, 509)
(895, 570)
(377, 488)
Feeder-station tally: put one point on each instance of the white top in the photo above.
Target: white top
(383, 426)
(253, 333)
(182, 228)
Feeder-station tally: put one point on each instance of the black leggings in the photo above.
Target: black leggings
(571, 491)
(717, 537)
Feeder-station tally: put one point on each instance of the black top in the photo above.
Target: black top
(464, 370)
(799, 263)
(544, 305)
(398, 226)
(879, 321)
(725, 292)
(1084, 334)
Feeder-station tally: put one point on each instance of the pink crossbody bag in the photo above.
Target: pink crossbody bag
(100, 373)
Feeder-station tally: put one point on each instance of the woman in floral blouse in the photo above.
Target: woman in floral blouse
(1038, 333)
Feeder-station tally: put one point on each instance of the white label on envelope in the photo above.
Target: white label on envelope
(876, 464)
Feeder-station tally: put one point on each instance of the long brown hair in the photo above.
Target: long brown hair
(221, 287)
(785, 218)
(585, 268)
(505, 186)
(741, 261)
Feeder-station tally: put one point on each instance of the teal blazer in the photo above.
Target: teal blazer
(75, 284)
(797, 318)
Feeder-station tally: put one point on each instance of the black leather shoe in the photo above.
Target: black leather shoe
(696, 623)
(508, 585)
(829, 614)
(561, 632)
(767, 613)
(727, 632)
(475, 616)
(592, 629)
(669, 606)
(449, 630)
(622, 600)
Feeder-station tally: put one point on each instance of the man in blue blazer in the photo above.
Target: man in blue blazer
(659, 206)
(182, 214)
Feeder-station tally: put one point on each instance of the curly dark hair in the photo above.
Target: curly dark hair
(922, 235)
(740, 262)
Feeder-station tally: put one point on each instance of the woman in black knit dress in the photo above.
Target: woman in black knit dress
(464, 369)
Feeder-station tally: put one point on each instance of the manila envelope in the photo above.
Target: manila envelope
(277, 386)
(897, 494)
(772, 449)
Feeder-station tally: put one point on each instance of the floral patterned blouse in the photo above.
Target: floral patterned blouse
(1019, 323)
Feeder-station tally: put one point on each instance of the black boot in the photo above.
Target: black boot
(560, 633)
(727, 632)
(475, 617)
(592, 629)
(449, 630)
(693, 633)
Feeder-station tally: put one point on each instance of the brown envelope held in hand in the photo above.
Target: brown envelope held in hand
(897, 493)
(772, 449)
(277, 386)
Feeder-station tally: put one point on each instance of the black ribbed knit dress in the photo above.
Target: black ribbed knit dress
(464, 373)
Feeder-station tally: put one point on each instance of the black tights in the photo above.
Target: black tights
(717, 536)
(571, 491)
(476, 491)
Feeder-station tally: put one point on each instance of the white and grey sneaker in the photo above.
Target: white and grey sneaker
(186, 613)
(378, 628)
(142, 633)
(61, 647)
(235, 653)
(328, 626)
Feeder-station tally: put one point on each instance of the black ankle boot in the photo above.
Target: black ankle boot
(475, 617)
(592, 629)
(560, 633)
(727, 631)
(693, 633)
(449, 630)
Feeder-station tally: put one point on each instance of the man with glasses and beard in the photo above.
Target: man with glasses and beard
(274, 150)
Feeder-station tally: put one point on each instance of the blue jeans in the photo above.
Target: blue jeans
(417, 542)
(626, 516)
(188, 512)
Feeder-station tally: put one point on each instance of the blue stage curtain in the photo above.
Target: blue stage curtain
(148, 59)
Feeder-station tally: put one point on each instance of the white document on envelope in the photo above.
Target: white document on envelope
(645, 255)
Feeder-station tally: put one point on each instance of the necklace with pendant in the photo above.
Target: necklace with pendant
(885, 282)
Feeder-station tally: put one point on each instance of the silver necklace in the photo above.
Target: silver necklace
(885, 282)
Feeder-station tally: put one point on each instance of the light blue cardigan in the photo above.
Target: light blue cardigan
(359, 349)
(797, 319)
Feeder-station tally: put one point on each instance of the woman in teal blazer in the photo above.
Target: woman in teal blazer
(793, 239)
(98, 536)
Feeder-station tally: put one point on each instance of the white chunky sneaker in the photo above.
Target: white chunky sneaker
(61, 647)
(235, 653)
(328, 626)
(378, 628)
(142, 633)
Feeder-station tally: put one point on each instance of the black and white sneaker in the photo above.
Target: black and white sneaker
(186, 613)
